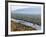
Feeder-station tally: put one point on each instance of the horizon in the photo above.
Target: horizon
(26, 9)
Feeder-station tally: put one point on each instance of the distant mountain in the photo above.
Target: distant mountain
(28, 11)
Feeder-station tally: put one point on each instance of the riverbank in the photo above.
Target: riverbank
(20, 27)
(35, 26)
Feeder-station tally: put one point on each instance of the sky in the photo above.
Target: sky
(29, 10)
(18, 7)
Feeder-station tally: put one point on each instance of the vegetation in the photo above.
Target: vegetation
(20, 27)
(36, 19)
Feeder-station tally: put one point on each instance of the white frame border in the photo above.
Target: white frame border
(23, 32)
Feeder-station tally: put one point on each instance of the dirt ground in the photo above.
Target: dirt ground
(20, 27)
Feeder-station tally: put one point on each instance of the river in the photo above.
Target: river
(27, 23)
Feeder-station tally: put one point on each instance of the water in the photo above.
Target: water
(27, 23)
